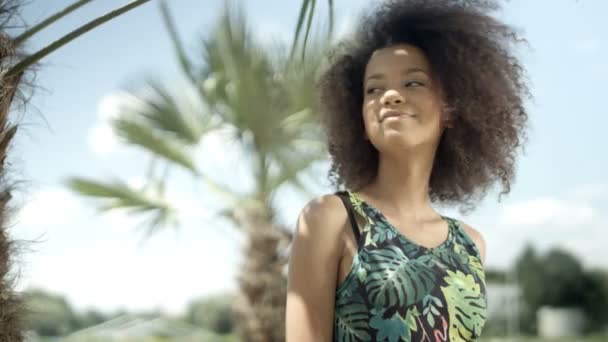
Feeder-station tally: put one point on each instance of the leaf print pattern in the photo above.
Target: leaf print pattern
(410, 318)
(466, 306)
(384, 233)
(397, 291)
(392, 329)
(441, 334)
(400, 281)
(477, 267)
(352, 318)
(456, 256)
(430, 304)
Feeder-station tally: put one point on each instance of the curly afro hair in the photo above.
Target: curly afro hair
(483, 82)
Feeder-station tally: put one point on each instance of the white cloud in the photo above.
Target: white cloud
(102, 139)
(101, 261)
(588, 243)
(109, 105)
(548, 211)
(573, 220)
(137, 279)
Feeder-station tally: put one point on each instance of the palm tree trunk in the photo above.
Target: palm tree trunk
(260, 307)
(11, 307)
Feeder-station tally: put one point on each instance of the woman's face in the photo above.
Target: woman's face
(402, 103)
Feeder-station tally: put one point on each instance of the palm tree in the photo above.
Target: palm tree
(11, 311)
(14, 64)
(265, 101)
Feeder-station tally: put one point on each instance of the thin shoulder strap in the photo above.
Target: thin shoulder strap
(351, 213)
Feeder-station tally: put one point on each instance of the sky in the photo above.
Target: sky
(559, 198)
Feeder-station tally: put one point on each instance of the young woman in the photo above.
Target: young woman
(424, 106)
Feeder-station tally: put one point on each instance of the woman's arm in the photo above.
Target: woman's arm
(313, 268)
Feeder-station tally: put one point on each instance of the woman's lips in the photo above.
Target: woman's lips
(393, 113)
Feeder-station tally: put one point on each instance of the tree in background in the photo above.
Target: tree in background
(90, 318)
(595, 300)
(495, 276)
(15, 69)
(558, 279)
(264, 100)
(212, 313)
(49, 314)
(528, 267)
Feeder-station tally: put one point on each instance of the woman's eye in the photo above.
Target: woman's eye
(413, 83)
(372, 90)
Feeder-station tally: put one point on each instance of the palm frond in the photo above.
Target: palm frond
(165, 112)
(45, 51)
(48, 21)
(295, 115)
(300, 23)
(269, 102)
(330, 32)
(184, 61)
(289, 170)
(119, 195)
(10, 11)
(308, 9)
(140, 133)
(308, 26)
(244, 89)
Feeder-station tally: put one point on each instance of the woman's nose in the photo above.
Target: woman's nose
(392, 97)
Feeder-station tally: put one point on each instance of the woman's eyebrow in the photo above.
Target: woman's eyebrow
(380, 76)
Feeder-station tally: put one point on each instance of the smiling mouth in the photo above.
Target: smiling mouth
(394, 113)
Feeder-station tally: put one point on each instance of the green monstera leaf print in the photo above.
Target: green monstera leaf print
(394, 279)
(351, 319)
(393, 329)
(383, 232)
(477, 267)
(454, 258)
(410, 318)
(466, 306)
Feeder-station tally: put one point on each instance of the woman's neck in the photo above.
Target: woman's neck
(402, 183)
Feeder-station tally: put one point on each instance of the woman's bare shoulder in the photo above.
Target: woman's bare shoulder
(323, 219)
(324, 210)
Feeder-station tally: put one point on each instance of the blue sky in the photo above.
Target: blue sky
(560, 197)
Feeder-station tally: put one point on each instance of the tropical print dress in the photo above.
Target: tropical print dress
(397, 290)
